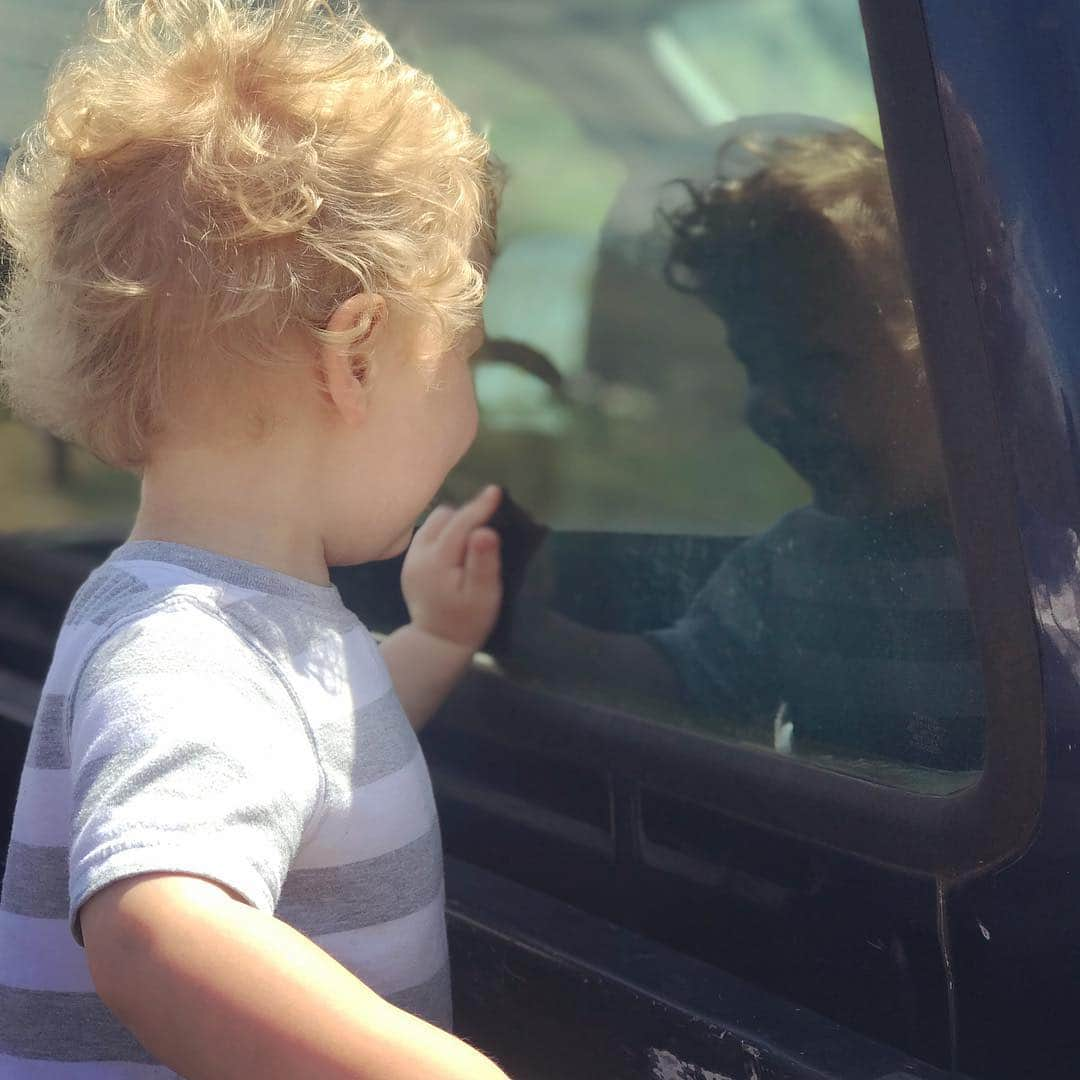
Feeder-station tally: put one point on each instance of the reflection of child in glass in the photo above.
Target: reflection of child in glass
(847, 619)
(250, 252)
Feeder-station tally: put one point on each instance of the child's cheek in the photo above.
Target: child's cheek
(473, 423)
(466, 421)
(400, 545)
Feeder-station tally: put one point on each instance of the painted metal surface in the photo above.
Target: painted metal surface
(1009, 84)
(587, 999)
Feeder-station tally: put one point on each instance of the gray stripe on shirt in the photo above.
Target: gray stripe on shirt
(48, 747)
(373, 742)
(385, 741)
(135, 775)
(101, 596)
(137, 769)
(379, 890)
(36, 881)
(54, 1026)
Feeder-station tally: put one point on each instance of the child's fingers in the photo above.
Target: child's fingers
(472, 515)
(482, 569)
(435, 522)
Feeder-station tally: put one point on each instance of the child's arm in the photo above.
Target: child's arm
(216, 989)
(453, 588)
(606, 666)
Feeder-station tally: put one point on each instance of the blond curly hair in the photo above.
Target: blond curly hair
(210, 176)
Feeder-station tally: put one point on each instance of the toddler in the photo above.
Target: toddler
(249, 255)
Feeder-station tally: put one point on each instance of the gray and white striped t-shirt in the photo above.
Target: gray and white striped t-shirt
(207, 716)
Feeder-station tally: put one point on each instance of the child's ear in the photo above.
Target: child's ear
(345, 370)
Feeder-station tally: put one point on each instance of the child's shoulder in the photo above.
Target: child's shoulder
(153, 644)
(118, 621)
(121, 598)
(116, 593)
(167, 589)
(148, 618)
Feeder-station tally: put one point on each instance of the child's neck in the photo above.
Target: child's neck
(257, 506)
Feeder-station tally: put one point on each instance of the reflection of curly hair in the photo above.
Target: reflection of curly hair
(813, 212)
(209, 174)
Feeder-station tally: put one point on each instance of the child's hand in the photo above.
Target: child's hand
(452, 579)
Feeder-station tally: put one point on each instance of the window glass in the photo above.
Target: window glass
(721, 413)
(702, 387)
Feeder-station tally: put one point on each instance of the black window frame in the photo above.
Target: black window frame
(948, 836)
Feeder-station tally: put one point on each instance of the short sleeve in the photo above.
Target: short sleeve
(720, 646)
(190, 755)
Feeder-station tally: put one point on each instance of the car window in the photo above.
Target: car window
(702, 388)
(705, 382)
